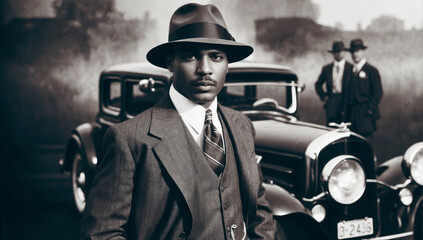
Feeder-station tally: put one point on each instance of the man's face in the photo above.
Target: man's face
(199, 74)
(338, 56)
(357, 55)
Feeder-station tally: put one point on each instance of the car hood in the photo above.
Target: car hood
(287, 136)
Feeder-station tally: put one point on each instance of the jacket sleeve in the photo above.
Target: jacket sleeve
(319, 86)
(262, 226)
(109, 199)
(376, 90)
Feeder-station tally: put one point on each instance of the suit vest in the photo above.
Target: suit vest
(219, 198)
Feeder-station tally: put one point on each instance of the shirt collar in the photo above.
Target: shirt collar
(192, 113)
(360, 64)
(339, 63)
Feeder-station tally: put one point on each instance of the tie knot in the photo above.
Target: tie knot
(209, 117)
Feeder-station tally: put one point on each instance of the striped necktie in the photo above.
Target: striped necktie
(213, 145)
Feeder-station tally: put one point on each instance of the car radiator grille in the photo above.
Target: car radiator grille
(285, 170)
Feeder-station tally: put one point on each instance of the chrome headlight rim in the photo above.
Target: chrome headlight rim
(329, 168)
(410, 160)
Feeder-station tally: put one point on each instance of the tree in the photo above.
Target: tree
(386, 24)
(86, 13)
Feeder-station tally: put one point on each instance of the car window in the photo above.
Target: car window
(112, 96)
(241, 96)
(137, 100)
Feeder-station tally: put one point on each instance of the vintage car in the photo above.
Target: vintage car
(322, 182)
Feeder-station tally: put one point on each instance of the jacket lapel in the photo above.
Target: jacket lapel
(247, 170)
(172, 150)
(346, 77)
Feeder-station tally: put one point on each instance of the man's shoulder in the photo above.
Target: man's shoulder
(135, 124)
(235, 115)
(348, 65)
(370, 67)
(328, 66)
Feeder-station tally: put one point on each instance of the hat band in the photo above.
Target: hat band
(201, 30)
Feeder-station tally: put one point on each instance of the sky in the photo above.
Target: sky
(352, 12)
(349, 13)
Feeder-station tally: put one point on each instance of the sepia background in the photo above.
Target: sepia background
(52, 52)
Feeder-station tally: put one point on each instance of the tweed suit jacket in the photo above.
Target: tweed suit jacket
(145, 187)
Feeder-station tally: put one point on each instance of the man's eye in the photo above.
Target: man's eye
(189, 57)
(218, 57)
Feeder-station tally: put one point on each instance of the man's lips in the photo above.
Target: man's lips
(204, 85)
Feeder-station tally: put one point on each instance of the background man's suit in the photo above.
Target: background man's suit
(365, 93)
(159, 191)
(335, 106)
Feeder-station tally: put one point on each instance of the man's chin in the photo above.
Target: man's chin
(204, 99)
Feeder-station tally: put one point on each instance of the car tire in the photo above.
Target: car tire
(78, 177)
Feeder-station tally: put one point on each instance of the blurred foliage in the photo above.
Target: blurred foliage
(292, 36)
(87, 13)
(50, 69)
(386, 23)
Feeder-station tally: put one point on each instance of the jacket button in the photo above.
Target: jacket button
(183, 235)
(225, 206)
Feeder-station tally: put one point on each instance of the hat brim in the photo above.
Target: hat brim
(235, 51)
(356, 49)
(335, 51)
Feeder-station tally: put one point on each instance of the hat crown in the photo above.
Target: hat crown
(357, 44)
(338, 46)
(198, 21)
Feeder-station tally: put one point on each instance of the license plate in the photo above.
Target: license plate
(355, 228)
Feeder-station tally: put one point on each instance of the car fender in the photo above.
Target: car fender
(391, 172)
(83, 137)
(292, 216)
(282, 202)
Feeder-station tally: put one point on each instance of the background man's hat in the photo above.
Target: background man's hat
(337, 46)
(356, 44)
(202, 25)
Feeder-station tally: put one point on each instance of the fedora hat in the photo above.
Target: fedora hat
(337, 46)
(356, 44)
(201, 25)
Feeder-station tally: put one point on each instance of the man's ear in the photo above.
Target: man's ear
(169, 63)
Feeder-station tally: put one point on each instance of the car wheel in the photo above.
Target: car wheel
(79, 181)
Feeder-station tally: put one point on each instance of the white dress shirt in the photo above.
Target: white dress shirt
(337, 73)
(194, 115)
(359, 65)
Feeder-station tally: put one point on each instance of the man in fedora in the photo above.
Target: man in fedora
(335, 77)
(365, 92)
(185, 168)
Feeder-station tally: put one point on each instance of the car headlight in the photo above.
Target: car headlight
(413, 160)
(344, 178)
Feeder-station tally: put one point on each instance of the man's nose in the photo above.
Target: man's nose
(205, 65)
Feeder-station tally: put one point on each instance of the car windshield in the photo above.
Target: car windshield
(259, 96)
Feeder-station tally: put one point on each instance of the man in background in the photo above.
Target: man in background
(365, 92)
(334, 77)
